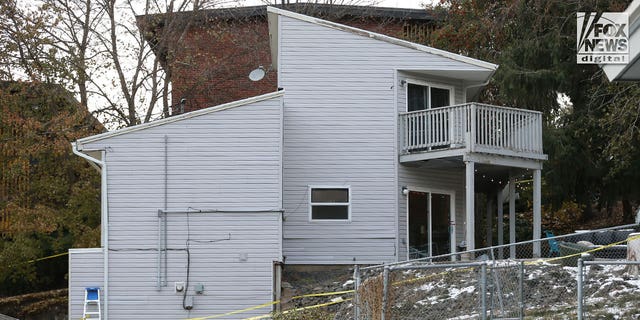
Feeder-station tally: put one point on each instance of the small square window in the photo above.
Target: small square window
(330, 203)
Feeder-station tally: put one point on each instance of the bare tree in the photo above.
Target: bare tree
(119, 56)
(70, 26)
(94, 48)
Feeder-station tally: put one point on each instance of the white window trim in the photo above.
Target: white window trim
(451, 89)
(311, 204)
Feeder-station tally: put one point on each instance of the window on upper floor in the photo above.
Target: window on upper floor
(330, 203)
(421, 97)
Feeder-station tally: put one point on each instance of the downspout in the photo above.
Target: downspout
(466, 88)
(104, 221)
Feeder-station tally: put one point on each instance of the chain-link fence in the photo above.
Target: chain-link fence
(477, 290)
(426, 292)
(608, 289)
(539, 279)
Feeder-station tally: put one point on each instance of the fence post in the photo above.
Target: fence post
(580, 293)
(483, 288)
(385, 291)
(356, 286)
(521, 288)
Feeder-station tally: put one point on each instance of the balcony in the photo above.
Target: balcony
(470, 128)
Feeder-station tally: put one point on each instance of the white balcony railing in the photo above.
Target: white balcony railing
(477, 127)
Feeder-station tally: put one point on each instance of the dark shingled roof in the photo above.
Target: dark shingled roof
(319, 10)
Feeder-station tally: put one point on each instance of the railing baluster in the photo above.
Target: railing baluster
(425, 122)
(479, 127)
(539, 133)
(485, 119)
(530, 135)
(417, 123)
(492, 127)
(517, 131)
(512, 131)
(411, 131)
(438, 127)
(520, 132)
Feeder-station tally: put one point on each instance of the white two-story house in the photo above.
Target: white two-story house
(371, 152)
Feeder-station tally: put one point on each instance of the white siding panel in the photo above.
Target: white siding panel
(230, 159)
(372, 251)
(229, 283)
(85, 271)
(225, 160)
(338, 131)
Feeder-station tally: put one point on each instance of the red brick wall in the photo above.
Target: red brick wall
(213, 60)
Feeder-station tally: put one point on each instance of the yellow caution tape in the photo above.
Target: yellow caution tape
(48, 257)
(580, 253)
(300, 309)
(40, 259)
(323, 294)
(264, 305)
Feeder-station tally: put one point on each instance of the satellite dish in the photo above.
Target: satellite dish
(257, 74)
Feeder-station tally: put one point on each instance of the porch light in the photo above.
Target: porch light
(405, 191)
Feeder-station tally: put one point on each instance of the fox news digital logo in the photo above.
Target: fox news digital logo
(603, 38)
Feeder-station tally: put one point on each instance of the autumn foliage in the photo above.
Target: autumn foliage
(49, 198)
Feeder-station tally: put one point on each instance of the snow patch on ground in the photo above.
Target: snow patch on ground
(455, 292)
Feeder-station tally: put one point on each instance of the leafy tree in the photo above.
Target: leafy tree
(49, 198)
(533, 41)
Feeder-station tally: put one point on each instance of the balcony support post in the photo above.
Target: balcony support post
(512, 215)
(470, 197)
(489, 218)
(537, 212)
(500, 202)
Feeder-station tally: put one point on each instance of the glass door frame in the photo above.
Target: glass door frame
(452, 218)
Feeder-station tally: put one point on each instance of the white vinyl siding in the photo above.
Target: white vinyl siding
(85, 271)
(340, 129)
(224, 160)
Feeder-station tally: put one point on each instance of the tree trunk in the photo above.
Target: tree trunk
(627, 212)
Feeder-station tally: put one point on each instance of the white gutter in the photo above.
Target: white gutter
(104, 221)
(466, 88)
